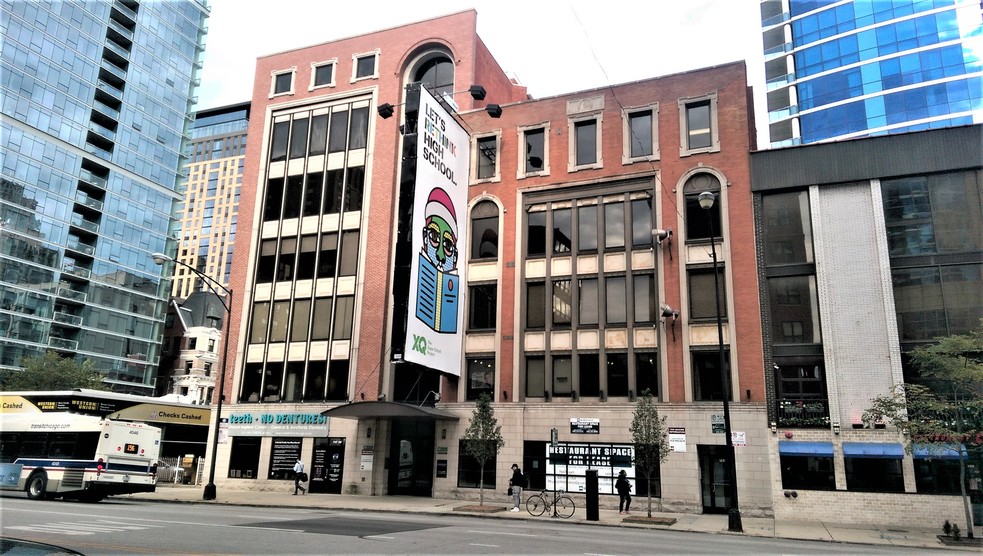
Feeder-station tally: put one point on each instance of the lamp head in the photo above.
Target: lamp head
(477, 92)
(494, 110)
(706, 199)
(386, 110)
(160, 258)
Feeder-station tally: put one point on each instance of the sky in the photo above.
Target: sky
(552, 47)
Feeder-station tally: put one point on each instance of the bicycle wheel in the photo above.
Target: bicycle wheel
(536, 505)
(564, 507)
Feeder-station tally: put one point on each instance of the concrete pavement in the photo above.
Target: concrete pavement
(754, 526)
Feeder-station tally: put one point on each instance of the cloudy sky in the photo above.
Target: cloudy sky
(552, 47)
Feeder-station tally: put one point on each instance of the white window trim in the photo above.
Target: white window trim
(497, 176)
(626, 157)
(598, 119)
(293, 81)
(334, 73)
(359, 55)
(521, 142)
(684, 149)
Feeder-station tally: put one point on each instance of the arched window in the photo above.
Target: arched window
(484, 231)
(697, 221)
(436, 74)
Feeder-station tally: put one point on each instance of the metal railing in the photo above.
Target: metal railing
(803, 412)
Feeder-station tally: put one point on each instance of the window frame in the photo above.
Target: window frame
(497, 173)
(375, 66)
(521, 159)
(473, 299)
(626, 114)
(488, 222)
(472, 390)
(273, 79)
(684, 135)
(333, 63)
(573, 143)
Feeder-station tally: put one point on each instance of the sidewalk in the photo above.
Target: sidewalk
(753, 526)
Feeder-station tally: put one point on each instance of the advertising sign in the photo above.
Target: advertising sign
(677, 439)
(434, 325)
(580, 425)
(278, 424)
(567, 465)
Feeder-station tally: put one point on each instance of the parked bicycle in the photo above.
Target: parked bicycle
(560, 504)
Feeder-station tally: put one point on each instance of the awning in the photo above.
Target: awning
(388, 410)
(937, 451)
(872, 450)
(805, 448)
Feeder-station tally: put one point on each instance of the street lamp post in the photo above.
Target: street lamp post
(734, 512)
(160, 258)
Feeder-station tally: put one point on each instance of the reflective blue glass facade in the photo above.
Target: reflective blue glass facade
(96, 104)
(837, 70)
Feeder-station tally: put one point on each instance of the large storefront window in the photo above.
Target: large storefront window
(873, 467)
(244, 457)
(469, 470)
(567, 465)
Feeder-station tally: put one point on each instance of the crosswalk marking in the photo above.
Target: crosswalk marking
(83, 527)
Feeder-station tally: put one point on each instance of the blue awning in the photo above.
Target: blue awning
(937, 451)
(805, 448)
(872, 450)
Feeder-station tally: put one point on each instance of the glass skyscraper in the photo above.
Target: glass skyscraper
(97, 100)
(842, 69)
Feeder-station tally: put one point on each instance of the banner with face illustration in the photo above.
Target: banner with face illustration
(435, 321)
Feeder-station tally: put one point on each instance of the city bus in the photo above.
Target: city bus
(73, 456)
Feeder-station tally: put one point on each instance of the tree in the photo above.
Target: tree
(945, 411)
(51, 372)
(483, 439)
(651, 439)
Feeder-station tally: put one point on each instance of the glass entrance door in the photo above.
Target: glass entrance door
(713, 479)
(411, 465)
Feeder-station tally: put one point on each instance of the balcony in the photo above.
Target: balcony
(67, 319)
(84, 199)
(65, 292)
(62, 343)
(110, 90)
(804, 413)
(123, 31)
(125, 11)
(77, 271)
(75, 245)
(87, 225)
(92, 179)
(102, 131)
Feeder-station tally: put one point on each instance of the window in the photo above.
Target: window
(641, 222)
(327, 260)
(278, 145)
(615, 300)
(244, 457)
(338, 132)
(794, 309)
(285, 262)
(698, 125)
(787, 230)
(301, 316)
(482, 304)
(562, 232)
(698, 219)
(486, 158)
(319, 134)
(706, 375)
(284, 452)
(266, 267)
(589, 373)
(344, 317)
(333, 190)
(641, 140)
(617, 374)
(317, 372)
(278, 321)
(484, 230)
(536, 234)
(562, 376)
(533, 160)
(358, 136)
(437, 75)
(481, 377)
(313, 187)
(535, 305)
(535, 376)
(702, 300)
(321, 328)
(273, 207)
(365, 66)
(349, 253)
(585, 142)
(614, 226)
(298, 138)
(644, 298)
(293, 385)
(647, 374)
(469, 473)
(587, 228)
(937, 475)
(354, 187)
(293, 196)
(283, 83)
(587, 315)
(322, 74)
(252, 381)
(807, 472)
(338, 372)
(873, 474)
(562, 303)
(272, 382)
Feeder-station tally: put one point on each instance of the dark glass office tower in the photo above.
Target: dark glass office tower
(97, 102)
(837, 70)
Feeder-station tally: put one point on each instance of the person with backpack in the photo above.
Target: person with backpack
(516, 483)
(624, 493)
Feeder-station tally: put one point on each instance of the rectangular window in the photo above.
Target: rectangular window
(283, 83)
(283, 455)
(313, 187)
(293, 196)
(324, 75)
(483, 303)
(535, 376)
(481, 377)
(285, 262)
(293, 381)
(647, 374)
(536, 234)
(937, 476)
(244, 457)
(640, 134)
(338, 372)
(615, 300)
(321, 330)
(702, 300)
(327, 260)
(317, 373)
(469, 470)
(698, 124)
(272, 381)
(562, 376)
(707, 384)
(333, 189)
(301, 316)
(298, 138)
(807, 472)
(252, 381)
(641, 222)
(587, 228)
(535, 153)
(536, 305)
(614, 226)
(344, 317)
(562, 303)
(354, 185)
(266, 267)
(278, 145)
(588, 313)
(787, 229)
(487, 157)
(365, 66)
(617, 372)
(644, 298)
(359, 132)
(319, 134)
(589, 374)
(349, 253)
(273, 207)
(562, 232)
(279, 322)
(873, 474)
(586, 138)
(338, 132)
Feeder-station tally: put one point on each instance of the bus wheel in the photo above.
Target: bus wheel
(36, 485)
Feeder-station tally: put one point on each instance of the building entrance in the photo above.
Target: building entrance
(713, 479)
(411, 457)
(327, 469)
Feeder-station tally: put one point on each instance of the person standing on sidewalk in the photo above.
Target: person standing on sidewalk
(516, 483)
(624, 493)
(299, 476)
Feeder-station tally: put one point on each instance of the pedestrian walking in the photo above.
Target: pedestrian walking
(624, 493)
(516, 483)
(299, 476)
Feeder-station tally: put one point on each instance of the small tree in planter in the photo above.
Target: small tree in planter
(651, 439)
(483, 439)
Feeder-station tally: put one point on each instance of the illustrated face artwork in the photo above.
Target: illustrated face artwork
(440, 244)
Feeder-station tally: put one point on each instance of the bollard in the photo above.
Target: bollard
(591, 495)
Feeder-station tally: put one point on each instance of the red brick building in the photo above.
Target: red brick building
(589, 277)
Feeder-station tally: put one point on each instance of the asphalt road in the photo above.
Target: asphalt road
(135, 527)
